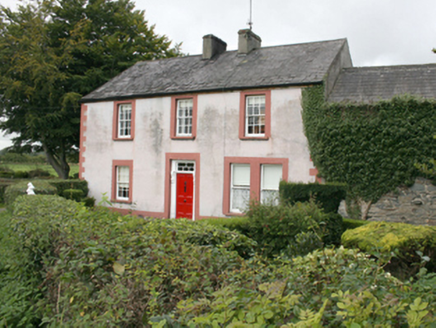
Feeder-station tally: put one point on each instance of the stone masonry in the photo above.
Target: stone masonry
(414, 205)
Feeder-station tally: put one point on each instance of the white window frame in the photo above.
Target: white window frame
(124, 121)
(263, 199)
(234, 187)
(259, 117)
(122, 183)
(184, 117)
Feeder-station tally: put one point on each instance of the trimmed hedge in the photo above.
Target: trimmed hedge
(42, 187)
(74, 194)
(62, 185)
(328, 196)
(410, 244)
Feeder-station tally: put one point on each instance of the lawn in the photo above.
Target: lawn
(74, 168)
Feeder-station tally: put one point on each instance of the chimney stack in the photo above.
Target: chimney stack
(212, 46)
(248, 41)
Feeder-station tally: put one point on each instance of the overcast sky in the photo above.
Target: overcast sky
(379, 32)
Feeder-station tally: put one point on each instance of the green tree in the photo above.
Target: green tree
(54, 52)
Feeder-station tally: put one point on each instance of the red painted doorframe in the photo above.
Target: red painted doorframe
(184, 195)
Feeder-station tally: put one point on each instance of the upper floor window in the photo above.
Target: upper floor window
(255, 115)
(124, 120)
(184, 117)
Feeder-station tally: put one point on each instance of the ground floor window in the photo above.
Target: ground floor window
(271, 176)
(255, 178)
(240, 187)
(122, 172)
(123, 175)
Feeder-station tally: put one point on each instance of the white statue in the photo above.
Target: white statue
(30, 189)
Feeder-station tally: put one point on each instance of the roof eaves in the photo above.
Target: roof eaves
(168, 94)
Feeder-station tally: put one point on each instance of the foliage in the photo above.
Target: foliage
(3, 186)
(327, 288)
(73, 194)
(10, 157)
(42, 187)
(88, 201)
(62, 185)
(98, 267)
(274, 227)
(352, 224)
(328, 196)
(64, 265)
(372, 148)
(240, 224)
(409, 245)
(53, 53)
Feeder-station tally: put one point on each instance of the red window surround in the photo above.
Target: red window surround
(115, 120)
(173, 131)
(242, 102)
(255, 169)
(115, 164)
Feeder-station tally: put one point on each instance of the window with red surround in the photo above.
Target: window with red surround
(183, 117)
(255, 115)
(122, 178)
(124, 120)
(248, 178)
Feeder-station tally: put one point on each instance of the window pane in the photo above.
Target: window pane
(255, 115)
(123, 175)
(124, 120)
(184, 117)
(239, 199)
(272, 174)
(241, 175)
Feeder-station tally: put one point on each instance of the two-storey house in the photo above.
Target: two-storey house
(197, 136)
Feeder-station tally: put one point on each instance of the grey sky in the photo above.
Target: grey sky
(379, 32)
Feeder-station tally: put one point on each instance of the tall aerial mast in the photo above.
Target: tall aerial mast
(250, 22)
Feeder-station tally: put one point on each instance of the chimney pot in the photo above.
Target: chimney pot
(212, 46)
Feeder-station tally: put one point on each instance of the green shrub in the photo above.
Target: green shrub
(328, 196)
(42, 187)
(411, 245)
(353, 224)
(74, 194)
(37, 173)
(21, 174)
(333, 229)
(240, 224)
(62, 185)
(274, 227)
(3, 186)
(88, 201)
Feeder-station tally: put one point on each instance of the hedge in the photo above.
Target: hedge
(62, 185)
(62, 265)
(42, 187)
(328, 196)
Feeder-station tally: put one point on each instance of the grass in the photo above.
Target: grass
(74, 168)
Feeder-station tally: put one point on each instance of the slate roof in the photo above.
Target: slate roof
(297, 64)
(369, 84)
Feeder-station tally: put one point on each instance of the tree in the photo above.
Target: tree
(53, 52)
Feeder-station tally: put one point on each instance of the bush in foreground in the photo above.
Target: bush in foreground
(410, 245)
(63, 265)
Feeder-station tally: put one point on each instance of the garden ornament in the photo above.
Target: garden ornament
(30, 189)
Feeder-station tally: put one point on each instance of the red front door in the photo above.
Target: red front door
(185, 195)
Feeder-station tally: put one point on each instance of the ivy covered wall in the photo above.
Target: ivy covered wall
(373, 148)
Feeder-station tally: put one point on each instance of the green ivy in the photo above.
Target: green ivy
(374, 147)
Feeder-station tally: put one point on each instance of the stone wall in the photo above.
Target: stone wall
(414, 205)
